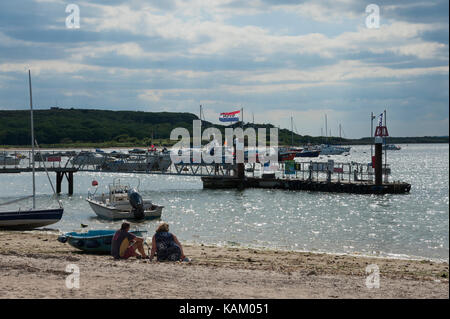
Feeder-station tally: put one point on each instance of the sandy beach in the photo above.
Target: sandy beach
(33, 265)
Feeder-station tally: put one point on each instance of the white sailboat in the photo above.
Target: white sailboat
(31, 218)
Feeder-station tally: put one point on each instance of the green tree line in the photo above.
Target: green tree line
(57, 126)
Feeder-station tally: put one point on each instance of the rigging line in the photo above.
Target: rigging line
(48, 176)
(343, 132)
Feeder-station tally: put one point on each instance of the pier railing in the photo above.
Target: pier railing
(61, 161)
(351, 172)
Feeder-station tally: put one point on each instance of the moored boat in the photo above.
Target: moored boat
(391, 147)
(305, 152)
(333, 150)
(123, 202)
(286, 155)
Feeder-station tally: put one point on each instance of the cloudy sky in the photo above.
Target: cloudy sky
(275, 58)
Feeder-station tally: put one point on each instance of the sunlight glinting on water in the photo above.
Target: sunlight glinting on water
(413, 225)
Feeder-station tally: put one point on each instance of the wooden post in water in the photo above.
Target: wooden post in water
(59, 177)
(70, 180)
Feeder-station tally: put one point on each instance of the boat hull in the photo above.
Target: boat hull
(308, 154)
(113, 213)
(23, 220)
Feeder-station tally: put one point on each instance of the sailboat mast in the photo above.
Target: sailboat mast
(292, 133)
(326, 130)
(32, 139)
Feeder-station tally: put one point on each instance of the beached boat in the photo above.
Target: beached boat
(97, 241)
(123, 202)
(29, 219)
(32, 218)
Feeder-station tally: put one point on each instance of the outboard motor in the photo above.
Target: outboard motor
(137, 203)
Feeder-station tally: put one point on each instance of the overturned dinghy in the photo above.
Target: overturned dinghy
(96, 241)
(123, 202)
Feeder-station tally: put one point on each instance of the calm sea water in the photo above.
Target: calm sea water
(412, 225)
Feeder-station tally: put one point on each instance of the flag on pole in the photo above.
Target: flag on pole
(380, 123)
(229, 117)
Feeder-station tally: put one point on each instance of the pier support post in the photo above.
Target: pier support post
(70, 181)
(59, 177)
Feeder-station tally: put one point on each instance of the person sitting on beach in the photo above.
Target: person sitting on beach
(124, 244)
(166, 245)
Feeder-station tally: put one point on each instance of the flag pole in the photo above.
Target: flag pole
(385, 149)
(371, 135)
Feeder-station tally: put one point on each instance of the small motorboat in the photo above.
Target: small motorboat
(123, 202)
(98, 241)
(285, 154)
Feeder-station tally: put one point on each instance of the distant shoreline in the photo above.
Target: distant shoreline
(131, 146)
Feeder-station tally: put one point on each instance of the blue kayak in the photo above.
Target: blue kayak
(98, 241)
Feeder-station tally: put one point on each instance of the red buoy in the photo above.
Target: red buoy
(94, 183)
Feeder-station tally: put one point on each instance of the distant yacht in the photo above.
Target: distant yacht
(391, 147)
(326, 149)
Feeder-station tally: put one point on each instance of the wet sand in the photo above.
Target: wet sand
(33, 265)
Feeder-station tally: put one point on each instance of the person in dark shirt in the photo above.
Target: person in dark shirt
(166, 245)
(124, 244)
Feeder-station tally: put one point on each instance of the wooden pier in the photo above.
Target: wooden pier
(330, 176)
(306, 185)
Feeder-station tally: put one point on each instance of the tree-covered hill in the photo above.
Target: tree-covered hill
(72, 127)
(67, 126)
